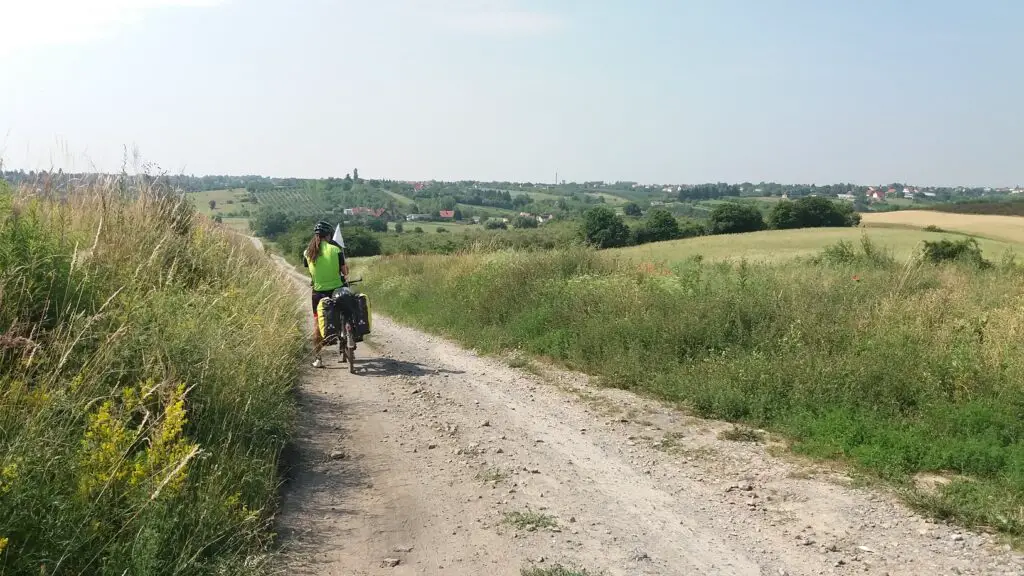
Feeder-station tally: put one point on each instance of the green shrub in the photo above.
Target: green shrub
(524, 222)
(841, 252)
(659, 226)
(735, 218)
(844, 253)
(603, 228)
(360, 242)
(272, 223)
(691, 228)
(965, 250)
(812, 212)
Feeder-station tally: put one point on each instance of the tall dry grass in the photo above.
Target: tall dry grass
(146, 361)
(899, 367)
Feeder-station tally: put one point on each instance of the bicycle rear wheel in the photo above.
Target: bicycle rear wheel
(350, 348)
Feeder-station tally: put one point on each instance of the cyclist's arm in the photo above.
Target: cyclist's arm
(305, 264)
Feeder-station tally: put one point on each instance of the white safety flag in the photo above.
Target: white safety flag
(337, 236)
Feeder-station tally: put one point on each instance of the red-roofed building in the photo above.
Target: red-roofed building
(447, 214)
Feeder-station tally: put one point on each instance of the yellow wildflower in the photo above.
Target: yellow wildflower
(168, 448)
(3, 544)
(106, 440)
(111, 453)
(128, 397)
(37, 399)
(8, 474)
(77, 381)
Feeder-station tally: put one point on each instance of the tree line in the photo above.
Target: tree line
(603, 228)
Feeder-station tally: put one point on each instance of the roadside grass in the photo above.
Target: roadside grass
(524, 363)
(741, 434)
(491, 475)
(146, 364)
(556, 570)
(895, 366)
(518, 362)
(529, 520)
(670, 442)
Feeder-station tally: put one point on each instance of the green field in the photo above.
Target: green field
(609, 198)
(431, 227)
(238, 225)
(403, 200)
(201, 200)
(901, 202)
(536, 195)
(762, 199)
(779, 245)
(487, 210)
(294, 200)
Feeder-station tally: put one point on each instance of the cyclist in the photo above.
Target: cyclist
(327, 270)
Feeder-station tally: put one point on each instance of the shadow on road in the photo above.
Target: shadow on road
(380, 367)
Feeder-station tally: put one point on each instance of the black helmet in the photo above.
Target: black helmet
(322, 229)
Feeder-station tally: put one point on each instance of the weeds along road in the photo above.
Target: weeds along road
(433, 460)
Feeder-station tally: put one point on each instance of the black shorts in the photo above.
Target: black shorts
(317, 297)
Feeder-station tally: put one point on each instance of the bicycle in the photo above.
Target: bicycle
(346, 300)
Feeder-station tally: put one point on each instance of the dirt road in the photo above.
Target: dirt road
(433, 460)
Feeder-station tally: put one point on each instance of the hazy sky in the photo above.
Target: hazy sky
(869, 91)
